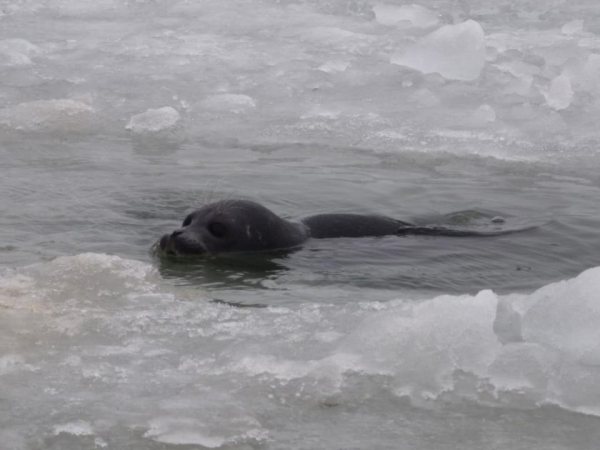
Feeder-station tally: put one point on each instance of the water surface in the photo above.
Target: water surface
(119, 118)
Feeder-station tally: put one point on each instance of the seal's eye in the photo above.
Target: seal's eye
(217, 229)
(187, 221)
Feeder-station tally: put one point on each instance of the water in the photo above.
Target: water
(118, 118)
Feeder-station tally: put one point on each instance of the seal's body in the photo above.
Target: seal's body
(243, 226)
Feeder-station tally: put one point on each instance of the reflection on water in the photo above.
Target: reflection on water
(230, 271)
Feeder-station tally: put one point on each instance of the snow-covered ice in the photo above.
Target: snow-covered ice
(154, 120)
(457, 52)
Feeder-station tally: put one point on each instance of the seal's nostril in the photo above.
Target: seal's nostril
(177, 232)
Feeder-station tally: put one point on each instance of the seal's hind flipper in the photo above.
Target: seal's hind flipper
(449, 232)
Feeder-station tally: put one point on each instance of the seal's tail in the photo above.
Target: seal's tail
(449, 232)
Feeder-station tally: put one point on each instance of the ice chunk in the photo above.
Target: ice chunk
(182, 432)
(565, 316)
(457, 52)
(486, 113)
(11, 363)
(560, 94)
(77, 428)
(346, 41)
(335, 35)
(520, 69)
(19, 46)
(320, 111)
(154, 120)
(17, 52)
(236, 103)
(48, 115)
(480, 117)
(591, 73)
(572, 27)
(11, 59)
(207, 432)
(334, 66)
(523, 365)
(412, 15)
(423, 344)
(585, 75)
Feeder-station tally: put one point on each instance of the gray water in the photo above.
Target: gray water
(119, 118)
(109, 196)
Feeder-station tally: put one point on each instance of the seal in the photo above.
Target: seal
(243, 226)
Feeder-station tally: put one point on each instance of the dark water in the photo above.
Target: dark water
(109, 196)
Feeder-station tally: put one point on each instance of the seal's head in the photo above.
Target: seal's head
(230, 226)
